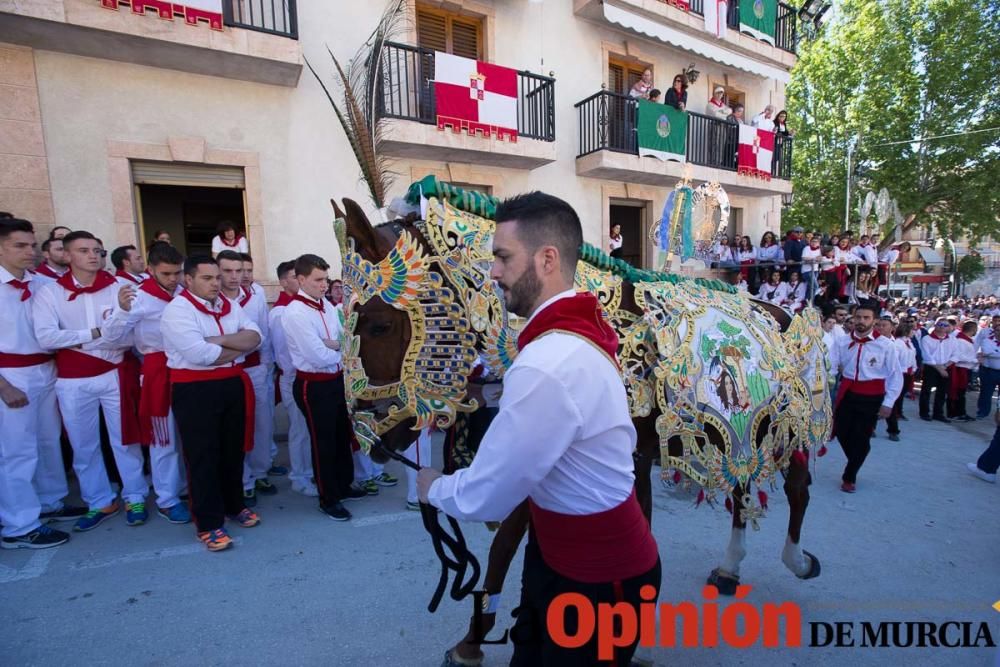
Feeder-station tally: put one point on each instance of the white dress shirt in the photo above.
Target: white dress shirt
(937, 351)
(773, 293)
(563, 436)
(988, 344)
(61, 323)
(256, 310)
(889, 256)
(876, 359)
(811, 259)
(795, 295)
(143, 320)
(907, 354)
(866, 254)
(279, 343)
(185, 328)
(305, 330)
(17, 335)
(842, 256)
(218, 246)
(965, 353)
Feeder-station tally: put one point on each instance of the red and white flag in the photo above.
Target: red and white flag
(716, 12)
(475, 96)
(755, 152)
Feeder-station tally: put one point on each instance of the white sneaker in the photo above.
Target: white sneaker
(309, 490)
(981, 474)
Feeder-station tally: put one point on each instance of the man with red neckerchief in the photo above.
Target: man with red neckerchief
(871, 378)
(138, 315)
(965, 364)
(937, 353)
(94, 375)
(56, 263)
(129, 267)
(206, 338)
(562, 440)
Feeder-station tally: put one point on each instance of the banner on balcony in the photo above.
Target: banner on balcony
(753, 158)
(716, 17)
(475, 96)
(662, 131)
(758, 18)
(192, 11)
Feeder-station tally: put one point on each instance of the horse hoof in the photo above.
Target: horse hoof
(813, 568)
(725, 584)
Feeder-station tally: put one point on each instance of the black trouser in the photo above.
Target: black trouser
(989, 461)
(325, 409)
(854, 422)
(933, 380)
(210, 417)
(540, 584)
(956, 406)
(897, 409)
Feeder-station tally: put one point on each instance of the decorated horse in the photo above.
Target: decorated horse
(728, 393)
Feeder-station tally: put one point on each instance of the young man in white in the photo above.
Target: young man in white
(129, 266)
(56, 261)
(256, 365)
(206, 337)
(93, 376)
(938, 353)
(988, 353)
(299, 451)
(866, 253)
(812, 255)
(966, 363)
(138, 316)
(29, 419)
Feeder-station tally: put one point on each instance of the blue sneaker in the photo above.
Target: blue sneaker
(95, 518)
(277, 471)
(177, 514)
(136, 514)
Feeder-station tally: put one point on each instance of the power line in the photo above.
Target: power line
(939, 136)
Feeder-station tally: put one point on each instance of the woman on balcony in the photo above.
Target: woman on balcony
(722, 254)
(677, 96)
(780, 126)
(718, 110)
(615, 242)
(782, 130)
(746, 255)
(641, 88)
(228, 238)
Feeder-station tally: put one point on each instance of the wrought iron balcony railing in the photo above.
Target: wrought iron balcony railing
(275, 17)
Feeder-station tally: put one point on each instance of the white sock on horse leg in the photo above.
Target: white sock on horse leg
(794, 559)
(735, 552)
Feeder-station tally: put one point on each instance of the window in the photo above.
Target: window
(452, 33)
(735, 96)
(622, 76)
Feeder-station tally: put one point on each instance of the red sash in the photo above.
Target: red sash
(608, 546)
(128, 276)
(178, 376)
(283, 299)
(101, 280)
(580, 314)
(745, 269)
(251, 360)
(958, 381)
(72, 364)
(153, 288)
(12, 360)
(46, 270)
(310, 376)
(154, 399)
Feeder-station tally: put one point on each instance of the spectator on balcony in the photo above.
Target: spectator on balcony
(793, 247)
(737, 115)
(780, 126)
(765, 119)
(747, 257)
(677, 95)
(642, 87)
(228, 238)
(615, 242)
(654, 95)
(722, 254)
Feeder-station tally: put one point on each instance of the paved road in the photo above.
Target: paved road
(919, 541)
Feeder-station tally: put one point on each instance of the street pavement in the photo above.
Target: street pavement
(919, 541)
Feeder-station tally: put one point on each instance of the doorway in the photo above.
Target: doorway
(189, 214)
(630, 217)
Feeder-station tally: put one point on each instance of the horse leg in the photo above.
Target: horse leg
(797, 479)
(726, 577)
(502, 551)
(647, 448)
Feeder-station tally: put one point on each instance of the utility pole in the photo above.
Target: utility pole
(847, 206)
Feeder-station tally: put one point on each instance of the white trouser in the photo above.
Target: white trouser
(299, 447)
(257, 461)
(30, 459)
(80, 401)
(165, 464)
(420, 453)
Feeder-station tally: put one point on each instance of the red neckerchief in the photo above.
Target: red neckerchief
(960, 334)
(200, 307)
(153, 288)
(121, 273)
(580, 314)
(46, 270)
(283, 299)
(236, 241)
(101, 280)
(719, 104)
(873, 334)
(309, 302)
(245, 297)
(23, 285)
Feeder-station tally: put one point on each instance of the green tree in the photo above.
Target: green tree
(889, 70)
(969, 268)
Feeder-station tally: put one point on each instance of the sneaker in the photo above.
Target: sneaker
(965, 418)
(277, 471)
(136, 514)
(370, 487)
(385, 479)
(179, 513)
(42, 537)
(250, 497)
(355, 492)
(216, 540)
(94, 518)
(894, 437)
(942, 419)
(265, 488)
(308, 490)
(412, 506)
(64, 513)
(974, 469)
(336, 511)
(246, 518)
(847, 487)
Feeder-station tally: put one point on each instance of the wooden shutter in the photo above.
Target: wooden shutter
(616, 79)
(432, 30)
(465, 37)
(443, 31)
(178, 173)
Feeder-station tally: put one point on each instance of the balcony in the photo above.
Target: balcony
(609, 150)
(406, 97)
(250, 40)
(784, 30)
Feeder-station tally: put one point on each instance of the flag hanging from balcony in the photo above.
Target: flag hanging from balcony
(475, 96)
(753, 158)
(758, 18)
(716, 21)
(662, 131)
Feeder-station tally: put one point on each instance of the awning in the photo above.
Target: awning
(688, 42)
(930, 256)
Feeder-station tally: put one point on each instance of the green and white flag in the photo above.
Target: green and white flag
(662, 131)
(758, 18)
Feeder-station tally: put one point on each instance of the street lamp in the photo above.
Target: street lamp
(787, 199)
(690, 73)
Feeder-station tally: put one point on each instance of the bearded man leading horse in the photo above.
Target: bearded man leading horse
(422, 306)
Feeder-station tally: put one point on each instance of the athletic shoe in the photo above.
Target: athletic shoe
(42, 537)
(277, 471)
(943, 420)
(336, 511)
(370, 487)
(136, 514)
(94, 518)
(847, 487)
(309, 490)
(64, 513)
(355, 492)
(894, 437)
(385, 479)
(977, 471)
(964, 418)
(413, 507)
(216, 540)
(246, 518)
(265, 488)
(179, 513)
(250, 497)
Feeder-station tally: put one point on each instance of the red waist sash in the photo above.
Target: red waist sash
(609, 546)
(154, 400)
(958, 381)
(183, 375)
(311, 376)
(73, 364)
(12, 360)
(251, 360)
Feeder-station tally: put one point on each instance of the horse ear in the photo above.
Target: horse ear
(337, 213)
(361, 230)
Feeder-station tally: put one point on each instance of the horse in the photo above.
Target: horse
(726, 391)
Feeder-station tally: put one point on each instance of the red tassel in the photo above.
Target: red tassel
(800, 457)
(701, 498)
(762, 497)
(677, 476)
(729, 504)
(822, 451)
